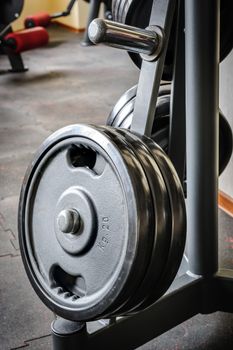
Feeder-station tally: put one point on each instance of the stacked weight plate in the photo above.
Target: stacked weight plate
(122, 114)
(101, 222)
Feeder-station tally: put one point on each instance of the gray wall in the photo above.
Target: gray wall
(226, 105)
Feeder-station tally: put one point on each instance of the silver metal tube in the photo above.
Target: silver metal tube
(202, 58)
(142, 41)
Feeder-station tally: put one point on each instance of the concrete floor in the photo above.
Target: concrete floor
(68, 84)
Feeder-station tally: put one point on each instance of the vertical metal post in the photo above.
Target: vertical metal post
(94, 8)
(202, 58)
(16, 62)
(177, 142)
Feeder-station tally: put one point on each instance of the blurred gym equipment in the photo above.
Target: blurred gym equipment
(43, 19)
(12, 44)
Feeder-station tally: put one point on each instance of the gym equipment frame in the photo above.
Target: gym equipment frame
(94, 9)
(205, 288)
(9, 12)
(15, 59)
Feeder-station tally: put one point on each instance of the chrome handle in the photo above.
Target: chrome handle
(147, 42)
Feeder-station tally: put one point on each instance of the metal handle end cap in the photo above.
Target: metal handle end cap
(97, 30)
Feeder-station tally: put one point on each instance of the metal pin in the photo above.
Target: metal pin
(147, 42)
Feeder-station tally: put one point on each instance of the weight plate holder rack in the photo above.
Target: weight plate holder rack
(205, 288)
(122, 114)
(129, 12)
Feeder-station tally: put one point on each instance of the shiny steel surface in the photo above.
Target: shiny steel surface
(143, 41)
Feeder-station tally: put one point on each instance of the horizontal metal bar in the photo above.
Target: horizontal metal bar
(181, 302)
(186, 297)
(121, 36)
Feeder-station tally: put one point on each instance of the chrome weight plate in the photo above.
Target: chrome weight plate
(163, 221)
(84, 218)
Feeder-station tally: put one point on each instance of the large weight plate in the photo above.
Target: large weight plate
(10, 10)
(81, 274)
(137, 13)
